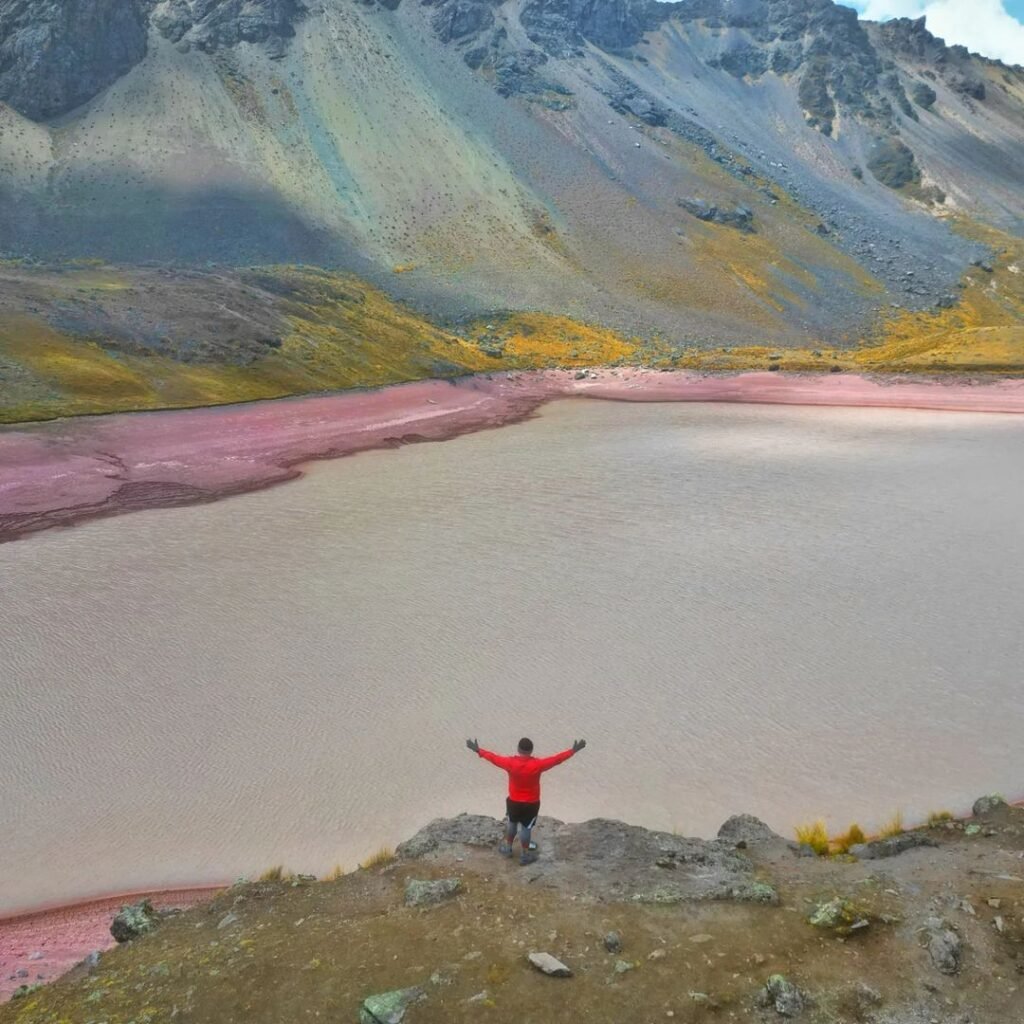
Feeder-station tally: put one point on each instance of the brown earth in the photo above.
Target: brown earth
(297, 950)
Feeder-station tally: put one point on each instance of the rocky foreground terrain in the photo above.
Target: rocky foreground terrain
(613, 923)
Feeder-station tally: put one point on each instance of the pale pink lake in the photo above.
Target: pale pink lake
(788, 611)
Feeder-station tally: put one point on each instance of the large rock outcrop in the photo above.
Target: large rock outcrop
(213, 24)
(611, 860)
(56, 54)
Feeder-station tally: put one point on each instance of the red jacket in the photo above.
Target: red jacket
(524, 771)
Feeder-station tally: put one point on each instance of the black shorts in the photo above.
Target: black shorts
(521, 814)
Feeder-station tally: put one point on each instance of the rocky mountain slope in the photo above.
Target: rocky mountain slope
(706, 173)
(923, 928)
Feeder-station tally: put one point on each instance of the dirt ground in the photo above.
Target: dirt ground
(290, 951)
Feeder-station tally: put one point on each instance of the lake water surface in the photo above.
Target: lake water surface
(791, 612)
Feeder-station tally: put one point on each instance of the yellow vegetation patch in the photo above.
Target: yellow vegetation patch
(385, 855)
(893, 827)
(814, 835)
(544, 340)
(853, 836)
(984, 331)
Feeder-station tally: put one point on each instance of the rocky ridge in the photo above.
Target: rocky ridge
(699, 175)
(449, 930)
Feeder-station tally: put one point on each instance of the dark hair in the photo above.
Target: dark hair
(526, 745)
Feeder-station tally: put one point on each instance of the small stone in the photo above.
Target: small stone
(782, 996)
(994, 903)
(227, 921)
(946, 950)
(39, 956)
(549, 965)
(837, 913)
(623, 966)
(703, 999)
(987, 804)
(133, 921)
(656, 954)
(972, 830)
(863, 997)
(480, 997)
(420, 893)
(613, 942)
(999, 924)
(389, 1007)
(702, 938)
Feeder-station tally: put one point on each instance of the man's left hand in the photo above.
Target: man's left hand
(473, 745)
(578, 745)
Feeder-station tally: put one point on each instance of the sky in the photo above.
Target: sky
(994, 28)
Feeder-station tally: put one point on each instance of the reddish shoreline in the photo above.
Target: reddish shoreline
(62, 472)
(46, 943)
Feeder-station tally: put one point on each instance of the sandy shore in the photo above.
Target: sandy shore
(62, 472)
(40, 946)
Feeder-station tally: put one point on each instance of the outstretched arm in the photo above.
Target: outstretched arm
(487, 755)
(550, 762)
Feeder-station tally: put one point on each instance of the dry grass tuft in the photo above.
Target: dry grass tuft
(274, 874)
(853, 836)
(938, 817)
(385, 855)
(335, 873)
(893, 827)
(815, 836)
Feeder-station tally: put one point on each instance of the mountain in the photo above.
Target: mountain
(693, 175)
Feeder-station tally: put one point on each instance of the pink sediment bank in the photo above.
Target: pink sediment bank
(64, 471)
(40, 946)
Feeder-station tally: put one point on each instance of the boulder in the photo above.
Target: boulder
(838, 915)
(893, 163)
(549, 965)
(739, 217)
(133, 921)
(466, 829)
(945, 948)
(924, 95)
(419, 893)
(389, 1007)
(782, 996)
(879, 848)
(987, 804)
(613, 942)
(745, 828)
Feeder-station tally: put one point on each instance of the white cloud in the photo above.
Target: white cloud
(984, 26)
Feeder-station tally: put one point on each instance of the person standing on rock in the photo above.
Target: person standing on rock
(523, 802)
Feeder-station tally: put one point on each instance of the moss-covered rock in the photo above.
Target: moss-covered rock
(893, 163)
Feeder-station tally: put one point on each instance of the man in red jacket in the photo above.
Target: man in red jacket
(523, 803)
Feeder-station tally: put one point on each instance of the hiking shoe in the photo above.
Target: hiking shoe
(505, 849)
(527, 858)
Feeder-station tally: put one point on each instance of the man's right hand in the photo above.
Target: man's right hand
(473, 745)
(578, 745)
